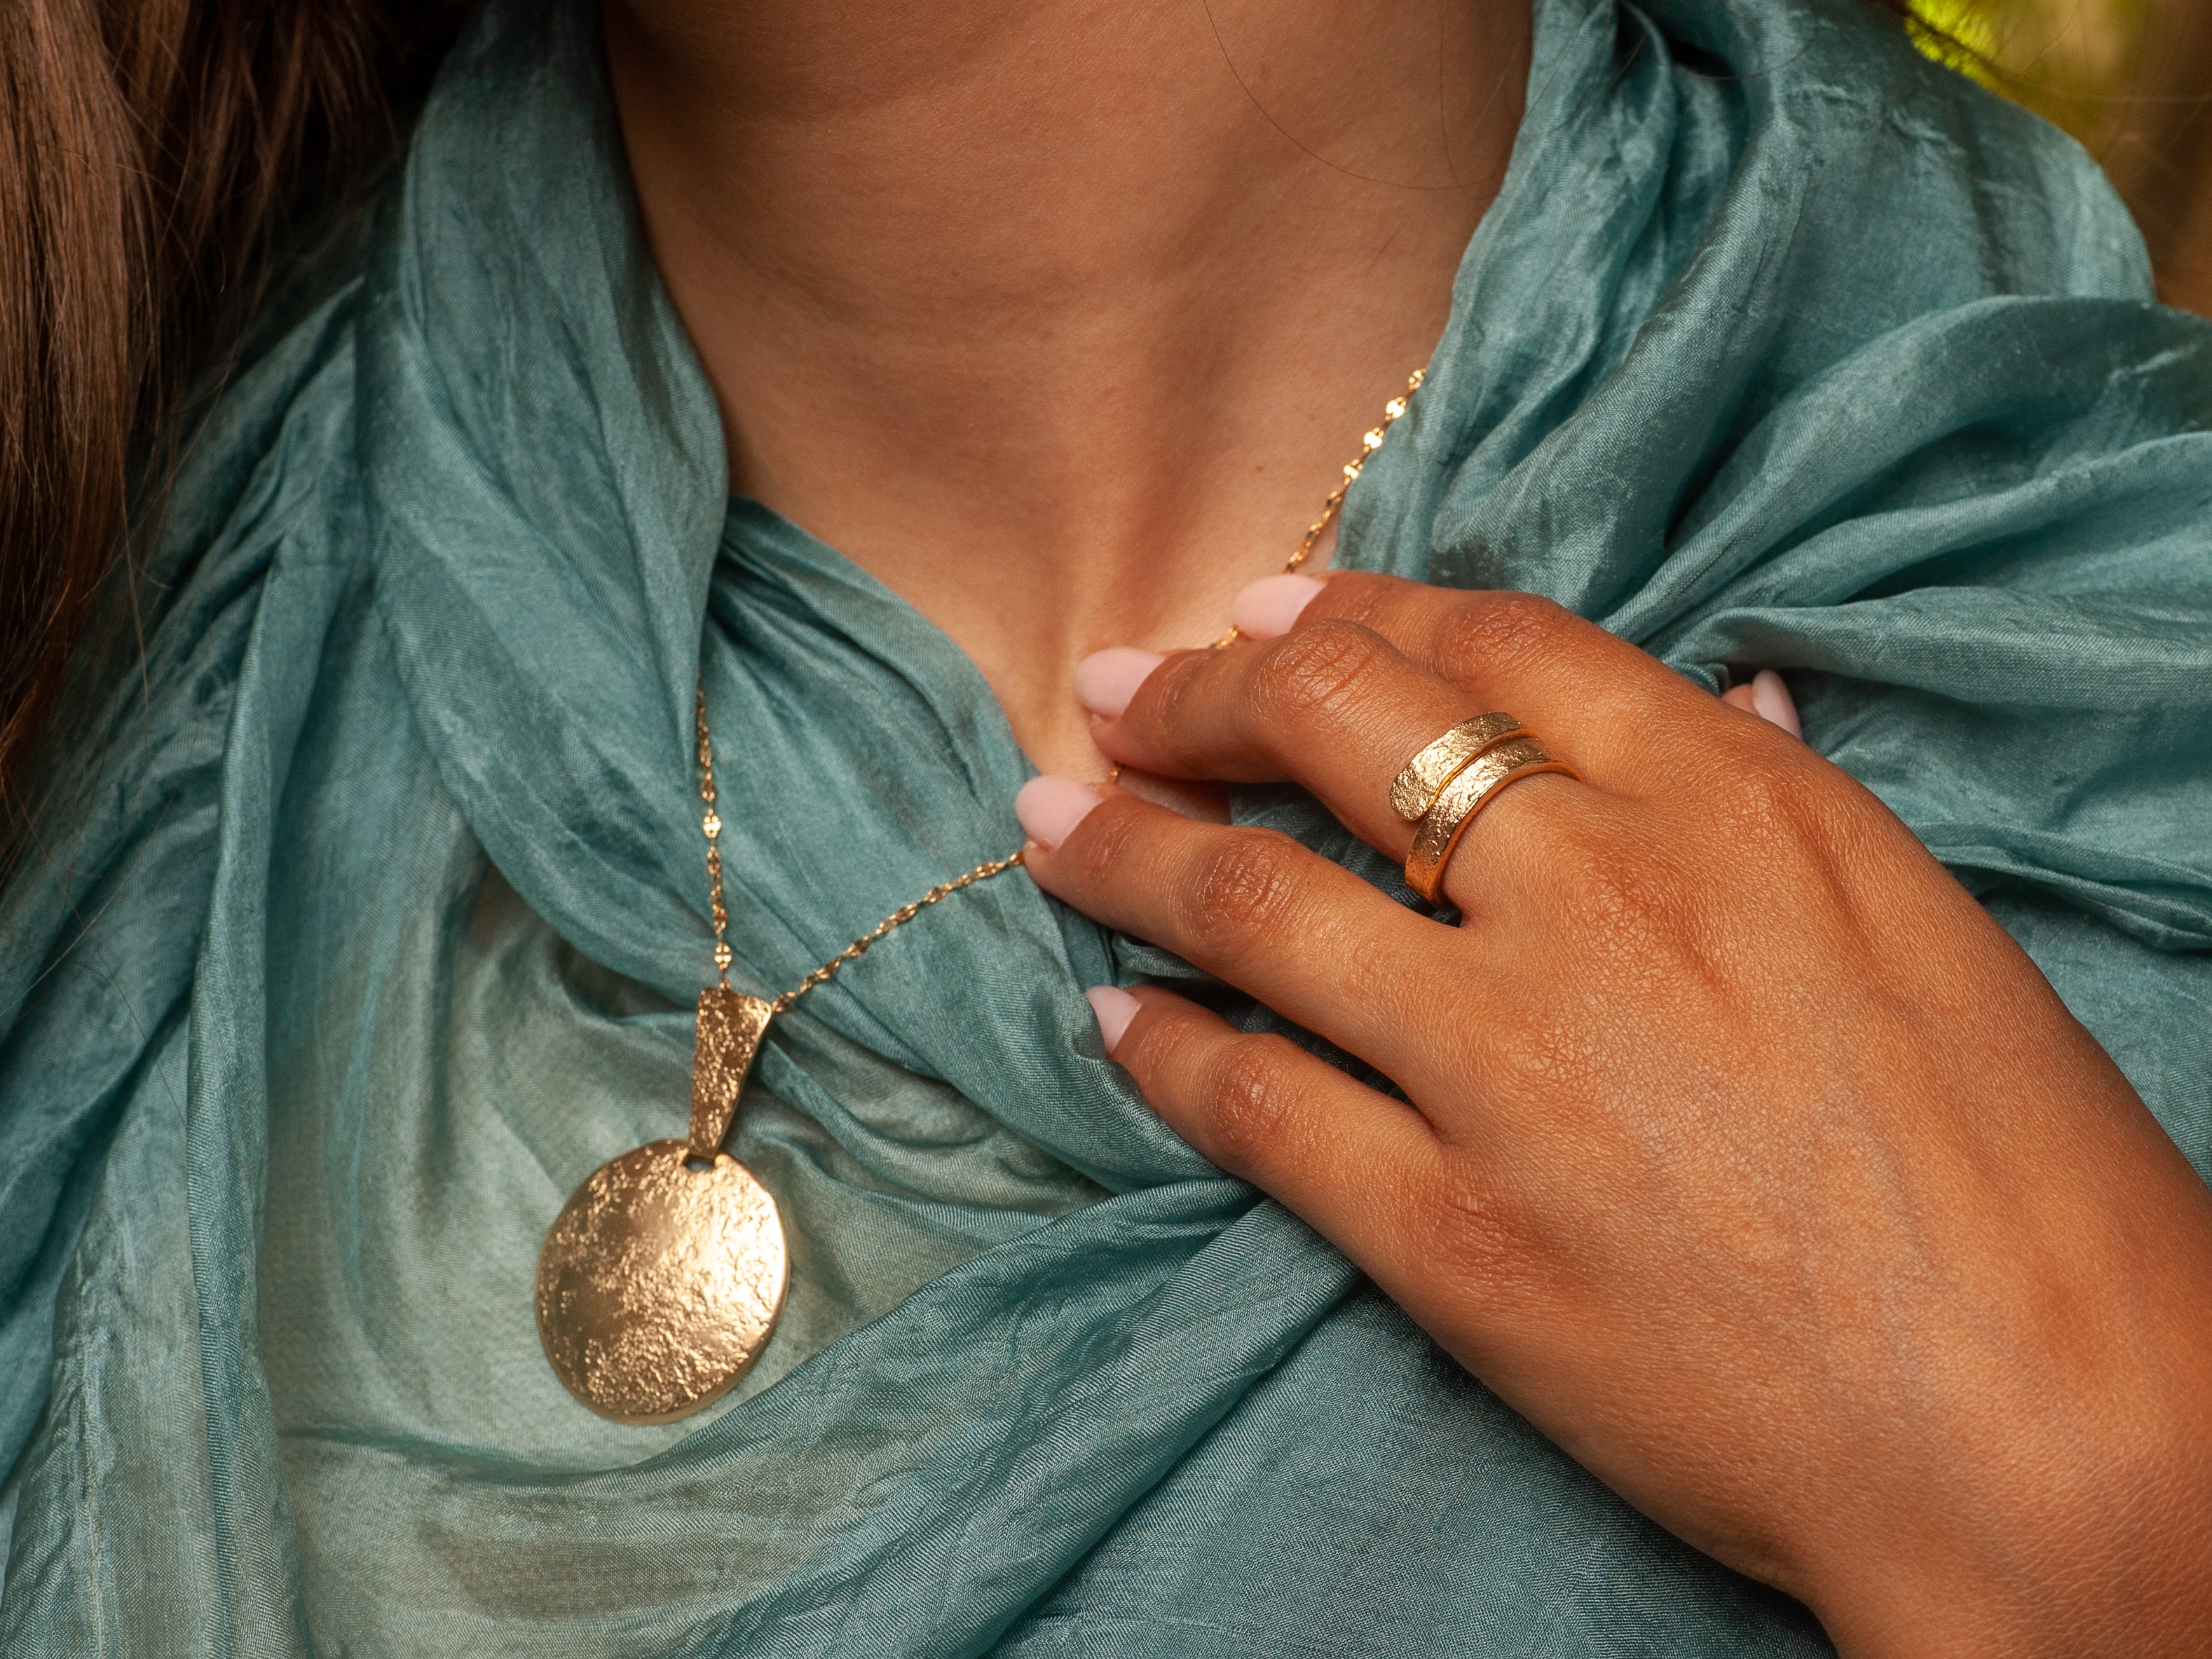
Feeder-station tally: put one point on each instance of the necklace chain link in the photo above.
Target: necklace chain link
(711, 823)
(1369, 441)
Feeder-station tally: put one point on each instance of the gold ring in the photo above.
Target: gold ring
(1474, 787)
(1425, 774)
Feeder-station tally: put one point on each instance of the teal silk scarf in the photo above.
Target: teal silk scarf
(378, 921)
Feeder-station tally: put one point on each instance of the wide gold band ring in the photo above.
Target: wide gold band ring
(1473, 788)
(1426, 775)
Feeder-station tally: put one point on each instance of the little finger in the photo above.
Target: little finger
(1350, 1161)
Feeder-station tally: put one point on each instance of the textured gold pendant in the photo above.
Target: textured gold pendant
(660, 1279)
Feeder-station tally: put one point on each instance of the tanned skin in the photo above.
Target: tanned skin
(1741, 1151)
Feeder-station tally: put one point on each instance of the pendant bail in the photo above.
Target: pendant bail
(731, 1026)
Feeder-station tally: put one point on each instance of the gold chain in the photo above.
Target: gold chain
(711, 823)
(1369, 441)
(898, 919)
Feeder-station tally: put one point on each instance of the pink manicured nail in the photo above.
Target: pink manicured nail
(1269, 608)
(1106, 680)
(1115, 1008)
(1771, 700)
(1049, 808)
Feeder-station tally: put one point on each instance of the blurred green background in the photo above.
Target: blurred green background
(2132, 80)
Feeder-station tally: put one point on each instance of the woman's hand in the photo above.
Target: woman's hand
(1745, 1154)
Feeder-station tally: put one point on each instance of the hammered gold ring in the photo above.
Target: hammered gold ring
(1426, 775)
(1470, 789)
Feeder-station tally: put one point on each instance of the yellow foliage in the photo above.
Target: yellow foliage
(2131, 79)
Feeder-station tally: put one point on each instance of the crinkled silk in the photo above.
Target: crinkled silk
(378, 921)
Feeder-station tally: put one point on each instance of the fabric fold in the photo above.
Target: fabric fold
(377, 923)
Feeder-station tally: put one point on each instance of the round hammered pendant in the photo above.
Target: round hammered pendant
(659, 1283)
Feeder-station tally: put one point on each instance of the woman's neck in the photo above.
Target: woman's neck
(1061, 316)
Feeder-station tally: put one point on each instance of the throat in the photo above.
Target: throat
(1061, 319)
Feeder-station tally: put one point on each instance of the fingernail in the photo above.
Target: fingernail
(1269, 608)
(1772, 701)
(1115, 1008)
(1106, 680)
(1049, 808)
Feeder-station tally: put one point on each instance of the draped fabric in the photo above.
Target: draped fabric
(373, 924)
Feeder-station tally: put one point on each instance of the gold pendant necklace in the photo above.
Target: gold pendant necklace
(662, 1278)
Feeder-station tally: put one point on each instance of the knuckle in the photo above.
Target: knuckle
(1559, 1056)
(1367, 595)
(1475, 1216)
(1771, 812)
(1628, 909)
(1762, 801)
(1627, 898)
(1489, 634)
(1250, 1090)
(1108, 842)
(1160, 1048)
(1170, 692)
(1313, 670)
(1460, 1224)
(1245, 886)
(1786, 822)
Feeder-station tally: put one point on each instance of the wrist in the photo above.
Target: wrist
(2099, 1545)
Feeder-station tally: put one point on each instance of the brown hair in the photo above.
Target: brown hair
(151, 152)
